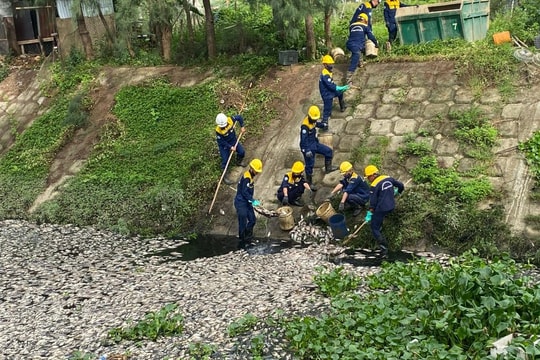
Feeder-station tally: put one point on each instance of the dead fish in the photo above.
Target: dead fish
(266, 212)
(309, 233)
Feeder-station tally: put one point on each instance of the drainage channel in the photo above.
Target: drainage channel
(210, 246)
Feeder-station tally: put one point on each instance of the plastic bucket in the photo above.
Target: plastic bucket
(338, 226)
(338, 55)
(325, 211)
(502, 37)
(286, 218)
(371, 50)
(326, 139)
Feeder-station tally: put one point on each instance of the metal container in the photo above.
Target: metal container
(288, 57)
(467, 19)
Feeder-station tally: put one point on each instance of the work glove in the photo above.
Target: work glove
(330, 197)
(285, 200)
(396, 191)
(341, 206)
(309, 154)
(369, 214)
(256, 203)
(343, 88)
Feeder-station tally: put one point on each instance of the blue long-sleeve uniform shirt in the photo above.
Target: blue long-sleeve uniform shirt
(245, 190)
(357, 36)
(327, 87)
(390, 8)
(226, 137)
(295, 186)
(365, 8)
(355, 185)
(308, 135)
(381, 193)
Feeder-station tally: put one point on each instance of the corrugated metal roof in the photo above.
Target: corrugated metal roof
(64, 8)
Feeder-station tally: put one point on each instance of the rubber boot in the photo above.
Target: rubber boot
(227, 181)
(240, 161)
(383, 248)
(342, 105)
(328, 167)
(325, 123)
(249, 237)
(309, 179)
(242, 244)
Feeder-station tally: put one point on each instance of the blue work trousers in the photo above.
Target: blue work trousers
(225, 153)
(327, 106)
(319, 149)
(356, 57)
(246, 218)
(356, 200)
(376, 227)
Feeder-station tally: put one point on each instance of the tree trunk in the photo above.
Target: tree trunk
(210, 31)
(85, 35)
(327, 29)
(189, 24)
(166, 41)
(108, 31)
(311, 46)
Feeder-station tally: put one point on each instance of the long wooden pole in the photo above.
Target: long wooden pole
(223, 174)
(353, 235)
(232, 152)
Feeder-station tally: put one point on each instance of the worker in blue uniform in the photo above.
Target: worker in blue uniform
(354, 190)
(227, 140)
(390, 8)
(382, 193)
(244, 203)
(356, 43)
(310, 145)
(365, 8)
(329, 90)
(293, 186)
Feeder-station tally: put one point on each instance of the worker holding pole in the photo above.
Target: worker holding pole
(228, 142)
(381, 203)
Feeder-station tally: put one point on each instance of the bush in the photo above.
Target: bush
(424, 310)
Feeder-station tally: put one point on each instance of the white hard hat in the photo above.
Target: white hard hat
(221, 120)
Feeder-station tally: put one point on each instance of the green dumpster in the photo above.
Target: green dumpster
(467, 19)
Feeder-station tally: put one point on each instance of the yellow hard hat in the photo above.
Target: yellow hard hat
(256, 165)
(363, 17)
(370, 170)
(298, 167)
(345, 166)
(314, 112)
(327, 59)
